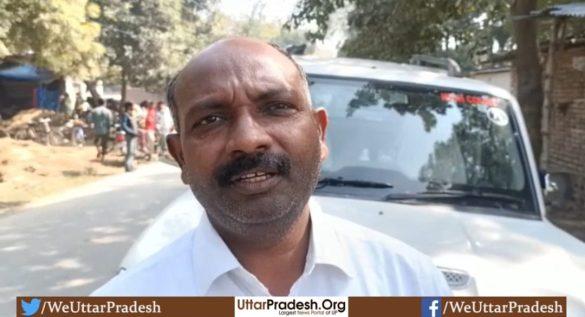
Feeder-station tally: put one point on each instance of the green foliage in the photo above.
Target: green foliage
(5, 24)
(255, 25)
(56, 33)
(142, 41)
(397, 29)
(147, 41)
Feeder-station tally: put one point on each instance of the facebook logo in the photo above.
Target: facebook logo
(431, 307)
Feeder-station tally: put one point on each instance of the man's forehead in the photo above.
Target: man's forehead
(239, 58)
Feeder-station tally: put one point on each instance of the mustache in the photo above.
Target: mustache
(263, 160)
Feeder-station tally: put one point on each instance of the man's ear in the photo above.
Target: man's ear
(174, 146)
(320, 115)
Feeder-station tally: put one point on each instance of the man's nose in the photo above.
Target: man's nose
(247, 136)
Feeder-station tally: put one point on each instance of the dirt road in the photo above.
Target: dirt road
(29, 171)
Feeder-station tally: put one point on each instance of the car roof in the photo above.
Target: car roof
(394, 72)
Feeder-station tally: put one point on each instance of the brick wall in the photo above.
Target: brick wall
(567, 140)
(569, 82)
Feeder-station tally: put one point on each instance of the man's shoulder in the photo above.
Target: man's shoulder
(105, 109)
(126, 118)
(100, 110)
(169, 271)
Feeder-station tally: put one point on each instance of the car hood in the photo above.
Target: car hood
(504, 255)
(436, 229)
(511, 249)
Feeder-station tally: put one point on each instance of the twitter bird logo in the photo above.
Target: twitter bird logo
(31, 307)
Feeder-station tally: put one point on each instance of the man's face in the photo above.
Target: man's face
(250, 144)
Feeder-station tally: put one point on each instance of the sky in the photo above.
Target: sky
(274, 10)
(280, 11)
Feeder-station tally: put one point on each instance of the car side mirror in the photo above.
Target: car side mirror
(557, 189)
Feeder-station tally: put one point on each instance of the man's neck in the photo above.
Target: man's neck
(277, 266)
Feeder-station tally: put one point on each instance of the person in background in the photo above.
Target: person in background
(66, 104)
(140, 116)
(112, 105)
(78, 119)
(101, 119)
(150, 130)
(119, 139)
(85, 107)
(78, 101)
(77, 132)
(164, 126)
(128, 124)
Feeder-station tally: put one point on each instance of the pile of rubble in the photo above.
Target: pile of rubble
(39, 125)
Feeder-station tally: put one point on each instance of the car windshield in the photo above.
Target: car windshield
(418, 144)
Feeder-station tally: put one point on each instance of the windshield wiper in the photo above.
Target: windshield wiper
(449, 194)
(340, 181)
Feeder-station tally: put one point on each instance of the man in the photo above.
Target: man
(250, 146)
(84, 107)
(164, 125)
(140, 112)
(128, 125)
(150, 130)
(101, 119)
(66, 104)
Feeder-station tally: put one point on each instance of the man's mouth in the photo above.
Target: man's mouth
(253, 177)
(255, 181)
(253, 173)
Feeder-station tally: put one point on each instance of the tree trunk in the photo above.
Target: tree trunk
(528, 70)
(124, 87)
(91, 87)
(548, 102)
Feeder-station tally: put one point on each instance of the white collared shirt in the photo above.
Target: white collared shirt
(344, 259)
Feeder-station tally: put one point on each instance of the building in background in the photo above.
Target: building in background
(500, 77)
(23, 86)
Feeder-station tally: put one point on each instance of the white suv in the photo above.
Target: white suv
(441, 163)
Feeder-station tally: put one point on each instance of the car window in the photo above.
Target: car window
(420, 140)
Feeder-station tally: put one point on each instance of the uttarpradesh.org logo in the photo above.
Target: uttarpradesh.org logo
(431, 307)
(30, 308)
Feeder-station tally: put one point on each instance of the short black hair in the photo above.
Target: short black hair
(128, 105)
(171, 101)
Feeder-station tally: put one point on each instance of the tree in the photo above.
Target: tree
(255, 25)
(57, 34)
(395, 30)
(147, 41)
(529, 90)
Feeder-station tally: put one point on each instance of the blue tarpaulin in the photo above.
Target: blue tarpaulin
(575, 10)
(45, 95)
(26, 73)
(47, 98)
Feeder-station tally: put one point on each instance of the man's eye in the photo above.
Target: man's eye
(279, 108)
(208, 120)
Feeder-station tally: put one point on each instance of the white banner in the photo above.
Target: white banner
(290, 306)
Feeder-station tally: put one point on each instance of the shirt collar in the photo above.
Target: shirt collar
(212, 258)
(325, 247)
